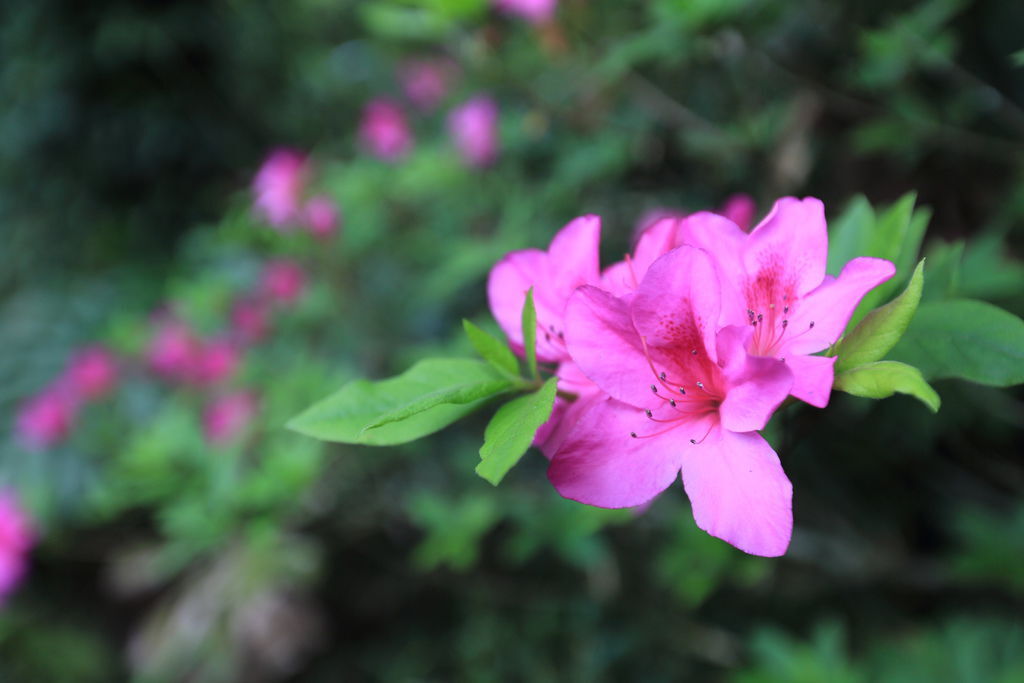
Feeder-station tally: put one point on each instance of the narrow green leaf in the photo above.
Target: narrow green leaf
(883, 379)
(492, 349)
(530, 334)
(967, 339)
(346, 415)
(511, 431)
(882, 328)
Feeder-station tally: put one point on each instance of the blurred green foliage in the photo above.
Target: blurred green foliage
(126, 128)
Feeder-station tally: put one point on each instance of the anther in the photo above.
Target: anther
(547, 337)
(661, 376)
(672, 403)
(700, 385)
(750, 314)
(682, 391)
(647, 413)
(811, 326)
(654, 388)
(784, 324)
(785, 309)
(693, 441)
(759, 317)
(633, 434)
(694, 352)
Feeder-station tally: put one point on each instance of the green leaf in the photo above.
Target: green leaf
(530, 334)
(943, 279)
(896, 236)
(882, 328)
(492, 349)
(429, 396)
(848, 237)
(967, 339)
(883, 379)
(511, 431)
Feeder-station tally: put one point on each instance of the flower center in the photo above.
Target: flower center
(682, 400)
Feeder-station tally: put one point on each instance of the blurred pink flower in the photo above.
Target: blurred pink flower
(172, 350)
(46, 418)
(92, 373)
(740, 209)
(474, 128)
(384, 130)
(17, 537)
(215, 361)
(534, 11)
(279, 185)
(320, 216)
(283, 281)
(427, 81)
(228, 416)
(248, 321)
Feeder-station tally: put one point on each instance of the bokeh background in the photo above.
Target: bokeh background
(173, 542)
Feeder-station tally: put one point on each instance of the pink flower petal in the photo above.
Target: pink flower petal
(571, 261)
(790, 246)
(678, 301)
(724, 242)
(604, 344)
(830, 306)
(812, 378)
(574, 254)
(507, 286)
(757, 385)
(601, 464)
(739, 492)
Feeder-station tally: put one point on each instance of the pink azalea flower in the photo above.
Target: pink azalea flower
(227, 417)
(16, 539)
(92, 373)
(534, 11)
(427, 81)
(740, 209)
(283, 281)
(474, 128)
(774, 282)
(682, 396)
(172, 350)
(384, 130)
(214, 362)
(320, 216)
(570, 261)
(248, 321)
(279, 185)
(46, 419)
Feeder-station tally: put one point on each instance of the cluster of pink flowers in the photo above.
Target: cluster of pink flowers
(16, 539)
(679, 354)
(385, 132)
(178, 354)
(281, 187)
(48, 417)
